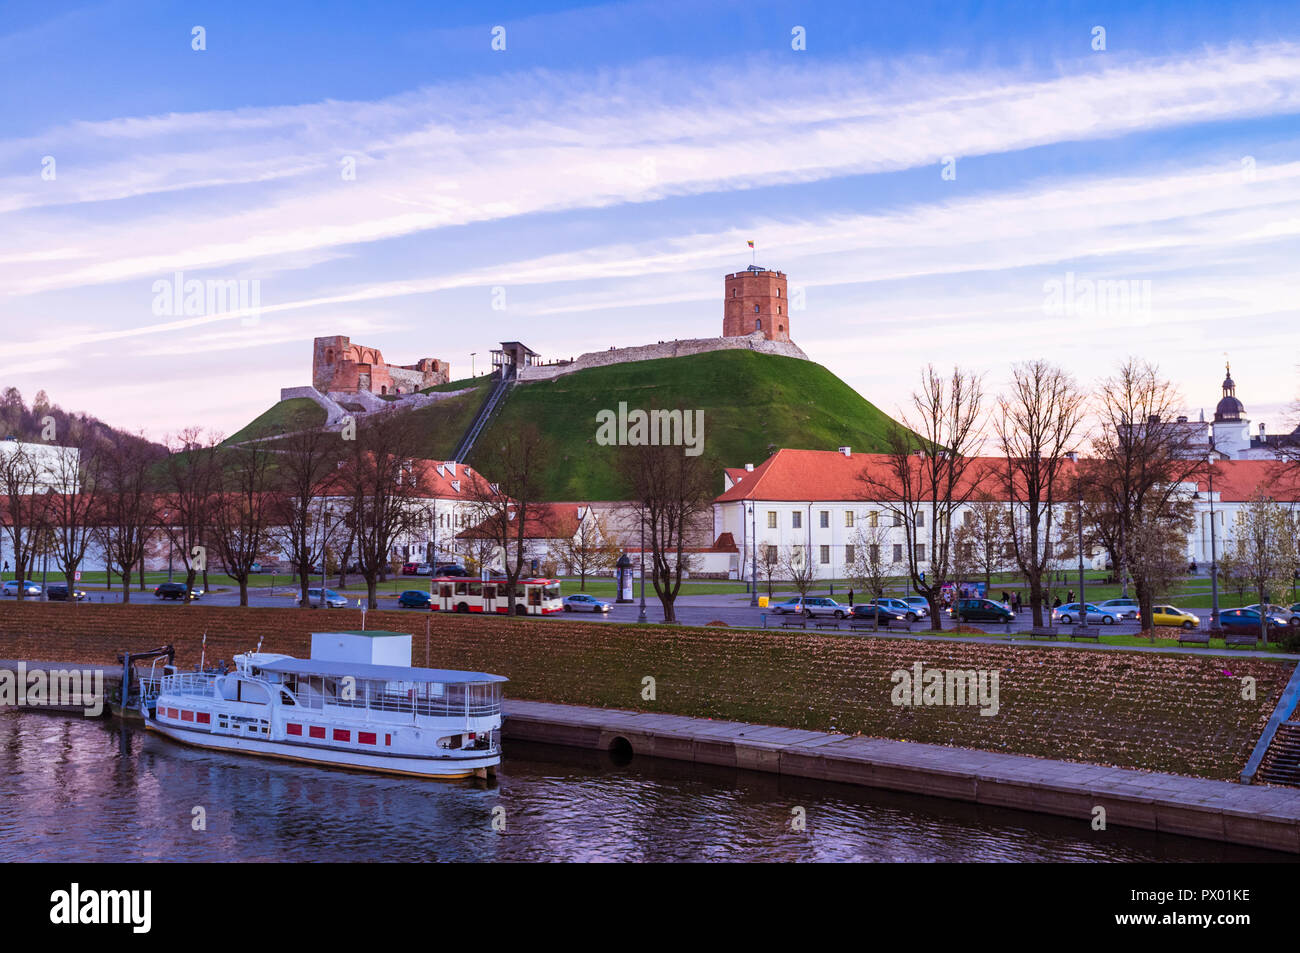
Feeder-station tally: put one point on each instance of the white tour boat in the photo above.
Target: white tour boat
(356, 703)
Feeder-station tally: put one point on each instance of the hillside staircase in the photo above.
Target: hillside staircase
(1281, 764)
(485, 414)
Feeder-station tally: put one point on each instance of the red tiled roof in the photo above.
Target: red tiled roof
(812, 475)
(1236, 481)
(544, 521)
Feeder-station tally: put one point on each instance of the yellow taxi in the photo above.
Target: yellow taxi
(1168, 615)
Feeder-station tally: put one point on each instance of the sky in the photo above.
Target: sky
(930, 176)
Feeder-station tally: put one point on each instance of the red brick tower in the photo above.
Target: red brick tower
(756, 301)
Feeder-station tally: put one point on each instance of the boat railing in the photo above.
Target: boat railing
(404, 703)
(190, 683)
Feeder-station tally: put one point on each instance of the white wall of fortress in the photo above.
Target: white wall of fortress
(650, 352)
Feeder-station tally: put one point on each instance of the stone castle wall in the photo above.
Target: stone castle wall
(649, 352)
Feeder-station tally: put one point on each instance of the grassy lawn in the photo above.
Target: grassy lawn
(750, 402)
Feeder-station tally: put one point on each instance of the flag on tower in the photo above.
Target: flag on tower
(751, 244)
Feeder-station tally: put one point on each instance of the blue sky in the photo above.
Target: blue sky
(606, 169)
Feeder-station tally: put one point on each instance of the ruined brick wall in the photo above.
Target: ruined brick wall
(340, 365)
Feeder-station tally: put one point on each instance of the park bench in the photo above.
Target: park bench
(1086, 632)
(798, 622)
(826, 624)
(1193, 637)
(1043, 632)
(1244, 641)
(863, 625)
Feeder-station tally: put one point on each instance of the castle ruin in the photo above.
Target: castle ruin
(340, 366)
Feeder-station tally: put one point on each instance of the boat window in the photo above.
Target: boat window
(253, 693)
(287, 698)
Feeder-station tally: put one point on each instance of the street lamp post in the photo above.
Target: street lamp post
(1214, 555)
(1083, 602)
(641, 617)
(753, 558)
(169, 548)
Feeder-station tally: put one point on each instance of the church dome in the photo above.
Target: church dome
(1229, 408)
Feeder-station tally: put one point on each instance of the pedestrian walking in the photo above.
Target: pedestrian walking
(850, 598)
(1069, 597)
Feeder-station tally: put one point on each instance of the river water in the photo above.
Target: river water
(77, 790)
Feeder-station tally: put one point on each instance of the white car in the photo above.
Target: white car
(581, 602)
(29, 588)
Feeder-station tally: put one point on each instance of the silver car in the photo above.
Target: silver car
(908, 611)
(332, 599)
(29, 588)
(581, 602)
(1069, 614)
(1122, 608)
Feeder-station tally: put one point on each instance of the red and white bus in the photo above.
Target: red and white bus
(460, 594)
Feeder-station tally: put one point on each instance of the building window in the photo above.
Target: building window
(873, 553)
(920, 519)
(756, 309)
(848, 554)
(825, 555)
(848, 519)
(758, 324)
(898, 519)
(898, 552)
(824, 519)
(797, 519)
(778, 309)
(873, 520)
(771, 519)
(920, 552)
(968, 518)
(771, 555)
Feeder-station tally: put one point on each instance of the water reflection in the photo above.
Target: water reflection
(78, 790)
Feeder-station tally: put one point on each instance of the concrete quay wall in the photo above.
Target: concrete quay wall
(1255, 816)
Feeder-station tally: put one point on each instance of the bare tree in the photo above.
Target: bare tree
(797, 566)
(127, 505)
(983, 529)
(190, 481)
(930, 474)
(591, 549)
(1266, 557)
(74, 502)
(306, 460)
(769, 563)
(385, 494)
(1037, 424)
(869, 569)
(241, 511)
(25, 504)
(1136, 481)
(673, 491)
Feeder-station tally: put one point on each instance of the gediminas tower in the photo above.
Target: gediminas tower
(756, 302)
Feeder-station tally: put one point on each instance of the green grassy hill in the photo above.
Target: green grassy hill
(752, 402)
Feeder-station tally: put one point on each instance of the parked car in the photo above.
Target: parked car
(175, 590)
(451, 569)
(1069, 614)
(1293, 613)
(1284, 612)
(919, 605)
(417, 569)
(1121, 608)
(1246, 622)
(870, 612)
(821, 605)
(1168, 615)
(414, 599)
(256, 567)
(981, 610)
(581, 602)
(29, 588)
(332, 599)
(902, 607)
(59, 593)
